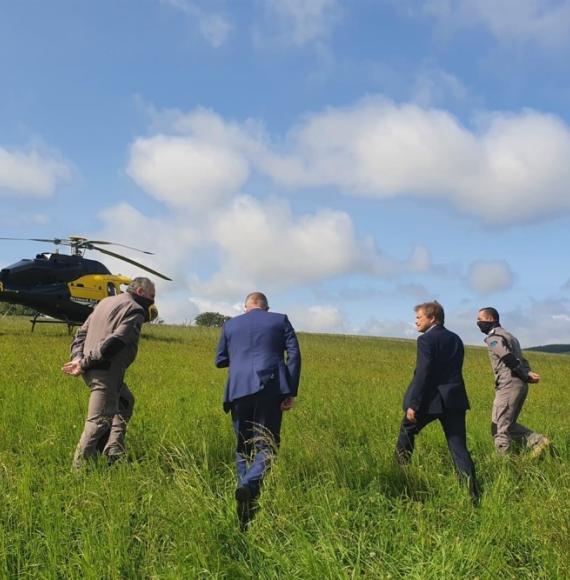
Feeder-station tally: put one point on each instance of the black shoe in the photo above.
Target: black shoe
(474, 494)
(245, 507)
(402, 456)
(115, 458)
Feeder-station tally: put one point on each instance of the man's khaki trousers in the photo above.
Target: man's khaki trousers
(110, 407)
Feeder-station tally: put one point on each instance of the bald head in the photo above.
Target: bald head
(256, 300)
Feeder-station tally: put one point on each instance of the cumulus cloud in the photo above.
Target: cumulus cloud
(173, 242)
(434, 86)
(490, 276)
(389, 328)
(204, 304)
(301, 21)
(30, 174)
(176, 246)
(176, 307)
(263, 243)
(542, 22)
(214, 26)
(513, 168)
(183, 171)
(318, 318)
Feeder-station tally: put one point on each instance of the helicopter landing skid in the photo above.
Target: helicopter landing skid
(40, 318)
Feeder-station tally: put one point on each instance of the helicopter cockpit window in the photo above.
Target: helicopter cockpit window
(111, 290)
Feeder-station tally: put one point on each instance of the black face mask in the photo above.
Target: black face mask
(150, 310)
(485, 326)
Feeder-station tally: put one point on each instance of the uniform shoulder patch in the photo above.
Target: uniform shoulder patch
(493, 343)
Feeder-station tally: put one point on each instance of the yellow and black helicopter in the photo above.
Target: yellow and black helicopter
(65, 287)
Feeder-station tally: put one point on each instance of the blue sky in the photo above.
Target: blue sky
(351, 159)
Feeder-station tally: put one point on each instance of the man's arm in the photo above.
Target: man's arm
(73, 367)
(222, 354)
(424, 365)
(293, 356)
(128, 330)
(76, 351)
(499, 347)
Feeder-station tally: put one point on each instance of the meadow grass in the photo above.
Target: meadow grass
(334, 506)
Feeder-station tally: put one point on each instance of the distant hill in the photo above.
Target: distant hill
(553, 348)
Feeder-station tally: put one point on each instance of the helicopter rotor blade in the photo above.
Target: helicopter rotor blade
(50, 241)
(87, 243)
(125, 259)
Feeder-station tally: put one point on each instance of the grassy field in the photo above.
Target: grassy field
(334, 506)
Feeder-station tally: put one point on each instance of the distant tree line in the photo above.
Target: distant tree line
(552, 348)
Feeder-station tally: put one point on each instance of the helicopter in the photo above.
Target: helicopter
(65, 287)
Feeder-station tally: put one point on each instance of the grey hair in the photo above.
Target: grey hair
(145, 283)
(257, 298)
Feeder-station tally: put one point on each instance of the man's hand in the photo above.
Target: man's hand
(411, 415)
(533, 377)
(72, 368)
(287, 404)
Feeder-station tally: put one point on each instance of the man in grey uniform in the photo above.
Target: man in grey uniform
(103, 349)
(512, 375)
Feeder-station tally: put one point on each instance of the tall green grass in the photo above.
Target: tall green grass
(334, 506)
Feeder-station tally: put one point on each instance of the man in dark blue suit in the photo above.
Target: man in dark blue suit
(260, 386)
(437, 391)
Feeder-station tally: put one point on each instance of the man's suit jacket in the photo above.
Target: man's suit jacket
(252, 346)
(437, 384)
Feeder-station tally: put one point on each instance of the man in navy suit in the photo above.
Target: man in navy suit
(437, 391)
(260, 386)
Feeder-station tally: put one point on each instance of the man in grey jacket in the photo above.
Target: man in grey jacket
(103, 348)
(512, 375)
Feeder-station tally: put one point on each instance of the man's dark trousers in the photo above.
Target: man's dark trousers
(453, 424)
(257, 425)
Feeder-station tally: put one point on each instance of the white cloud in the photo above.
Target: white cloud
(302, 21)
(183, 171)
(223, 307)
(31, 174)
(490, 276)
(263, 244)
(433, 85)
(542, 22)
(512, 169)
(172, 241)
(176, 245)
(214, 26)
(318, 318)
(176, 307)
(389, 328)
